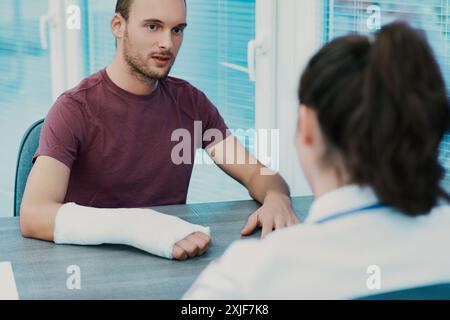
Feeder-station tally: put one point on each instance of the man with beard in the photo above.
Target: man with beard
(107, 147)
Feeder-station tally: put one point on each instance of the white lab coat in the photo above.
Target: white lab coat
(337, 253)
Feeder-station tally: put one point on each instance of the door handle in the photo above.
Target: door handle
(44, 22)
(254, 48)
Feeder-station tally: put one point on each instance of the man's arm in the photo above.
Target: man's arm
(264, 185)
(44, 196)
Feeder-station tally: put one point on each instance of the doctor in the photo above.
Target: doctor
(372, 115)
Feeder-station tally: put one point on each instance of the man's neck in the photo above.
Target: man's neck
(120, 73)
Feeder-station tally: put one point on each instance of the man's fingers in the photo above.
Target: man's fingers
(203, 236)
(178, 253)
(279, 223)
(193, 245)
(291, 223)
(188, 246)
(252, 223)
(201, 242)
(266, 229)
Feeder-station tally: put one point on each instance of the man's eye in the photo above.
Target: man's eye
(178, 30)
(152, 27)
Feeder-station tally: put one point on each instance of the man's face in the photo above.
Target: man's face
(153, 36)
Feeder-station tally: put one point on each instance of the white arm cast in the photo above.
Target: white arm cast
(144, 229)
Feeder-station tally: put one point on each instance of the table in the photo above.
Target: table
(123, 272)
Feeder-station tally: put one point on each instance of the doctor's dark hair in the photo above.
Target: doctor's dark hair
(382, 103)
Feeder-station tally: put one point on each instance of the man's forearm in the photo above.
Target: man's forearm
(267, 187)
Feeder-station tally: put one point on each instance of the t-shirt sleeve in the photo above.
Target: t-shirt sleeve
(62, 132)
(212, 122)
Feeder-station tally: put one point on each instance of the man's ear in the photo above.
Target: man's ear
(307, 125)
(118, 25)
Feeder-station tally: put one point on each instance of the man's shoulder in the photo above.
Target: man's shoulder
(79, 99)
(80, 91)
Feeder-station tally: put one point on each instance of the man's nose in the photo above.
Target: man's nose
(165, 41)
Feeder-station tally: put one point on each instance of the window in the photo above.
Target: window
(343, 16)
(25, 84)
(214, 59)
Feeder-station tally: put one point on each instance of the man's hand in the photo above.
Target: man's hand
(263, 184)
(275, 213)
(193, 245)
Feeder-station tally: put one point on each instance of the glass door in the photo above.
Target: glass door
(214, 59)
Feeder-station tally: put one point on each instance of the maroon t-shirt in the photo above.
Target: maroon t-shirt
(118, 145)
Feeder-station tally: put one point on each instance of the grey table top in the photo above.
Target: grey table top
(122, 272)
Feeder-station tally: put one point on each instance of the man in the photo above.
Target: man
(108, 144)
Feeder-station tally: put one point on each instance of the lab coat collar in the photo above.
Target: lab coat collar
(340, 200)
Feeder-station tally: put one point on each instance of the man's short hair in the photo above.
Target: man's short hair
(123, 7)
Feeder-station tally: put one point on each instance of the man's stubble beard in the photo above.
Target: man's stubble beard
(137, 65)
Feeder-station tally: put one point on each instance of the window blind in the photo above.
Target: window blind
(344, 16)
(25, 84)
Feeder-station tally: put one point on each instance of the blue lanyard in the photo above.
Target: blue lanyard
(351, 212)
